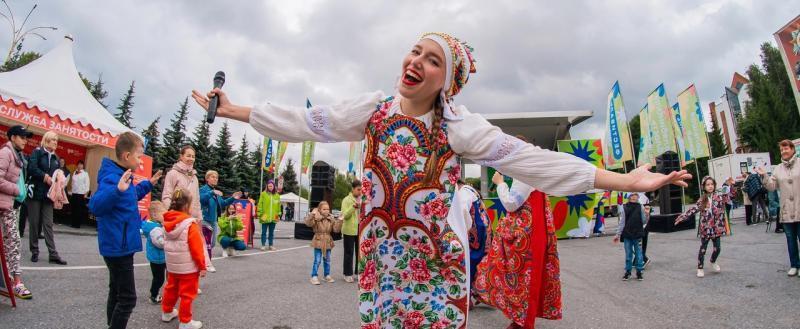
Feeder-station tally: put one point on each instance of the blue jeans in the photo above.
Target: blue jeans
(633, 253)
(264, 228)
(226, 242)
(791, 230)
(326, 266)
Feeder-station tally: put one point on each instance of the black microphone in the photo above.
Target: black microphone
(219, 80)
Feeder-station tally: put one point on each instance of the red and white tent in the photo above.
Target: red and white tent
(48, 94)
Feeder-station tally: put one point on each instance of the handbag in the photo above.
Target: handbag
(23, 189)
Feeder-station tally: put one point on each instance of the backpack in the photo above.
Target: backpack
(753, 186)
(157, 236)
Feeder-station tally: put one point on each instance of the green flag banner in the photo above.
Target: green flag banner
(694, 127)
(662, 135)
(617, 142)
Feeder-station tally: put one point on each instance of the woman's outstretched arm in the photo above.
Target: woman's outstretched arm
(344, 121)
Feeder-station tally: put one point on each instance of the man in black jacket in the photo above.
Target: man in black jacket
(43, 163)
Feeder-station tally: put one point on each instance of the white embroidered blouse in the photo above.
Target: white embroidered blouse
(513, 198)
(470, 135)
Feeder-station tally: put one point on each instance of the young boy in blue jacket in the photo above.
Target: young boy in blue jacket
(155, 249)
(115, 205)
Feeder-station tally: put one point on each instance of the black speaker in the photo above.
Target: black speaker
(322, 185)
(323, 175)
(669, 197)
(666, 223)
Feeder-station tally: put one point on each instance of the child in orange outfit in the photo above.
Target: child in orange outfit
(186, 261)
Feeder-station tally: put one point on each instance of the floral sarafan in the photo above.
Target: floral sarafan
(412, 264)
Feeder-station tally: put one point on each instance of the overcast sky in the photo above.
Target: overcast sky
(532, 55)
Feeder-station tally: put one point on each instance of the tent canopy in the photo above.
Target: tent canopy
(293, 198)
(52, 84)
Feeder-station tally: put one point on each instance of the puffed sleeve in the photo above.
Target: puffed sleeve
(321, 123)
(554, 173)
(514, 197)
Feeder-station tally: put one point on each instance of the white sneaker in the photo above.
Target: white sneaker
(211, 268)
(792, 271)
(224, 253)
(199, 291)
(271, 248)
(329, 279)
(167, 317)
(700, 273)
(263, 248)
(348, 279)
(231, 252)
(191, 325)
(716, 268)
(314, 280)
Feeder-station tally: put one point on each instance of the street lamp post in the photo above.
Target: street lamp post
(18, 33)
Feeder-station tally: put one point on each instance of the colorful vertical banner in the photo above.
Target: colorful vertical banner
(645, 145)
(308, 153)
(266, 154)
(788, 38)
(683, 153)
(278, 157)
(660, 116)
(590, 150)
(695, 138)
(617, 141)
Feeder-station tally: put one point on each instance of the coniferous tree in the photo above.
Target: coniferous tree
(222, 159)
(125, 108)
(98, 92)
(290, 183)
(201, 142)
(254, 163)
(243, 171)
(174, 137)
(153, 148)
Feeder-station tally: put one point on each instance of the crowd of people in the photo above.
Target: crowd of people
(34, 187)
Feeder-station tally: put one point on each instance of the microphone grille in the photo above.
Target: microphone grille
(220, 75)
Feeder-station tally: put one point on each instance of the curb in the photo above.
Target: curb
(58, 230)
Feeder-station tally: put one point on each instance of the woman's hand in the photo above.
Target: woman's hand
(639, 180)
(225, 108)
(761, 171)
(497, 179)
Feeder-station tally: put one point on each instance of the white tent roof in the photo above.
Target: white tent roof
(292, 198)
(52, 83)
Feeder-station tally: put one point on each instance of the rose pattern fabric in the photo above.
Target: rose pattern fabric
(411, 263)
